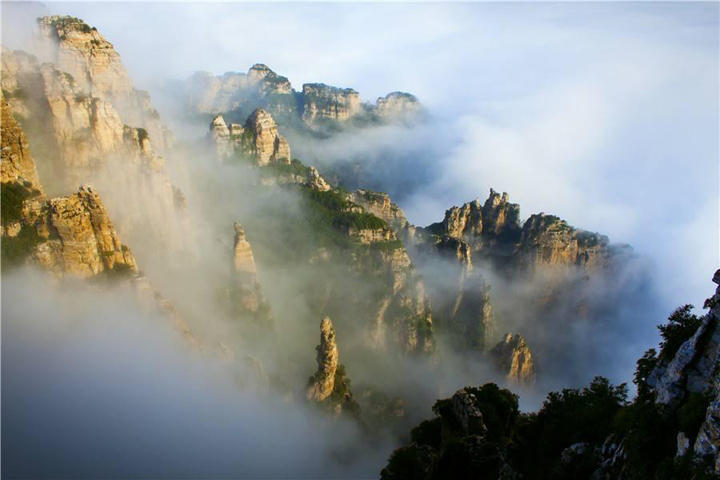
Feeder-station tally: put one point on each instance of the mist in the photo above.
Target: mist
(603, 114)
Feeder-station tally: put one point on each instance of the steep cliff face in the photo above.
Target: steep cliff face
(322, 383)
(513, 357)
(323, 102)
(547, 240)
(693, 371)
(70, 236)
(493, 231)
(77, 237)
(380, 205)
(78, 138)
(265, 143)
(235, 95)
(17, 166)
(258, 139)
(259, 87)
(81, 51)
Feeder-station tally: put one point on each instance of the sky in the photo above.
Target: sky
(605, 114)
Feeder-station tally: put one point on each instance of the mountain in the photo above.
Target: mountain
(670, 430)
(316, 107)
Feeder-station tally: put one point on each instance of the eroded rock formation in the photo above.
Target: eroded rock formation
(322, 383)
(513, 358)
(324, 102)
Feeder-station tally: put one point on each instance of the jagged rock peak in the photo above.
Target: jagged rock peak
(316, 181)
(499, 213)
(85, 54)
(514, 358)
(267, 145)
(243, 259)
(75, 236)
(322, 382)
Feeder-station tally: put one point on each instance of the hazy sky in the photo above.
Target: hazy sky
(605, 114)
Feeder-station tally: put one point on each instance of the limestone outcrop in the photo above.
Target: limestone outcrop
(398, 105)
(78, 137)
(247, 297)
(258, 139)
(380, 205)
(324, 102)
(322, 383)
(259, 87)
(316, 181)
(17, 165)
(265, 143)
(493, 232)
(315, 105)
(513, 357)
(82, 52)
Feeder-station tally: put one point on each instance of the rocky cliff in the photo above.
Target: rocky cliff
(323, 102)
(82, 52)
(79, 138)
(258, 139)
(69, 235)
(322, 383)
(236, 95)
(398, 105)
(513, 358)
(233, 91)
(691, 373)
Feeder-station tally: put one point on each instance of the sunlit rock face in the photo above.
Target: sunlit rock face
(380, 205)
(513, 358)
(258, 139)
(81, 51)
(265, 143)
(79, 135)
(316, 182)
(71, 235)
(259, 87)
(323, 381)
(323, 102)
(547, 240)
(17, 164)
(79, 238)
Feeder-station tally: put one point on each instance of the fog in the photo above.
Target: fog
(603, 114)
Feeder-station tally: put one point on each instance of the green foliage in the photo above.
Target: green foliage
(295, 167)
(12, 196)
(692, 413)
(142, 135)
(645, 365)
(429, 432)
(680, 327)
(16, 249)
